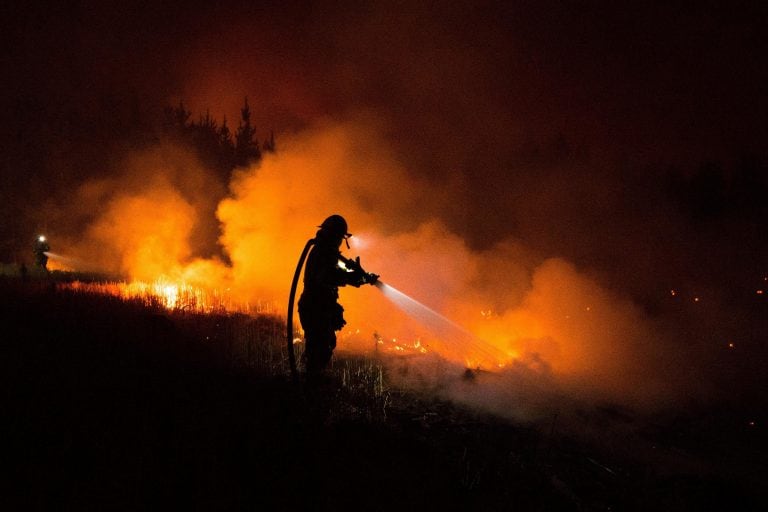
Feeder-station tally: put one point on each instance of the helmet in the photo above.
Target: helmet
(335, 225)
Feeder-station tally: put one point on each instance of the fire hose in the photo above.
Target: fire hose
(291, 298)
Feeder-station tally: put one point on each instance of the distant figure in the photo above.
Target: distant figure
(319, 312)
(41, 247)
(24, 272)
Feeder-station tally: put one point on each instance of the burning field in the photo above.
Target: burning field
(503, 309)
(498, 309)
(556, 350)
(565, 203)
(595, 400)
(130, 394)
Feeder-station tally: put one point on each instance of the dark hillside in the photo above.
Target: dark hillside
(113, 405)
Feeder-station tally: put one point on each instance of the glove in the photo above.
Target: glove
(358, 278)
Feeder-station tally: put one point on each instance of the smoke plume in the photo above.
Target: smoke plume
(554, 329)
(581, 188)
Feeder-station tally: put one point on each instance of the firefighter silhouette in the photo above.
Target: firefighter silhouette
(41, 248)
(319, 312)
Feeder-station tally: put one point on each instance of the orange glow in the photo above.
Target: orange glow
(517, 310)
(54, 264)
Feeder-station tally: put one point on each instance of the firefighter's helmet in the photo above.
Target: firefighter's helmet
(335, 225)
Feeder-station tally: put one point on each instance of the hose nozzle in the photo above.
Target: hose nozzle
(360, 275)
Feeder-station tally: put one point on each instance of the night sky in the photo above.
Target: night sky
(626, 137)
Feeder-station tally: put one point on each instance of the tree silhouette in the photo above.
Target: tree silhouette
(226, 146)
(246, 146)
(215, 144)
(176, 119)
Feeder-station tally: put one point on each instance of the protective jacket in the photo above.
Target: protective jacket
(318, 307)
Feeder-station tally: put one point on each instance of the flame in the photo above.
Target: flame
(179, 296)
(542, 313)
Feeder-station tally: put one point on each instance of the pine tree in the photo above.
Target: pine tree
(176, 119)
(205, 139)
(226, 148)
(246, 146)
(216, 145)
(225, 135)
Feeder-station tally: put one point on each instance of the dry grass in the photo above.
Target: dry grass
(120, 404)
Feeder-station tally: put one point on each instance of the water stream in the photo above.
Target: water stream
(455, 337)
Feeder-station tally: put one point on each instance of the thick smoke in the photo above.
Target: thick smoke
(528, 171)
(276, 207)
(149, 219)
(556, 330)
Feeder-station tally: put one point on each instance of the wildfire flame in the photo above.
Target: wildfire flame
(171, 295)
(544, 314)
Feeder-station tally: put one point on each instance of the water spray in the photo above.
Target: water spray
(445, 329)
(442, 327)
(71, 262)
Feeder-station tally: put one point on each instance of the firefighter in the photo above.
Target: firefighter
(319, 312)
(41, 248)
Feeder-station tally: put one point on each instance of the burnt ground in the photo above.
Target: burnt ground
(114, 405)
